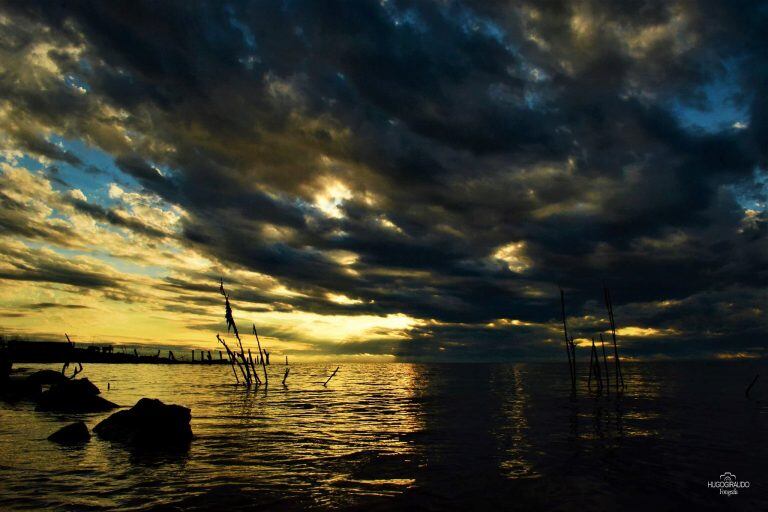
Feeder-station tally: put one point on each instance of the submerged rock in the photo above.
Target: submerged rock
(71, 434)
(149, 424)
(79, 395)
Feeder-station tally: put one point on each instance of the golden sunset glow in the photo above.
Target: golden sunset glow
(383, 255)
(403, 202)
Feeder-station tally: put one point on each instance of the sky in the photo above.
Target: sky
(387, 180)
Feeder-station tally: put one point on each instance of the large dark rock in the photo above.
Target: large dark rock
(5, 367)
(19, 388)
(149, 424)
(71, 434)
(79, 395)
(47, 378)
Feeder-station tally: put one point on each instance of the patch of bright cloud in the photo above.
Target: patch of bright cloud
(330, 198)
(513, 255)
(644, 332)
(388, 224)
(78, 194)
(342, 299)
(736, 355)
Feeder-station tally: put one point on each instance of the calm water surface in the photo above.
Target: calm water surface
(408, 436)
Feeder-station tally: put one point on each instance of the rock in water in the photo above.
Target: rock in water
(149, 424)
(5, 367)
(79, 395)
(71, 434)
(47, 378)
(19, 388)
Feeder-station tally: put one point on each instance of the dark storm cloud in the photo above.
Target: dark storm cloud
(457, 128)
(59, 273)
(100, 213)
(39, 146)
(141, 170)
(53, 305)
(15, 219)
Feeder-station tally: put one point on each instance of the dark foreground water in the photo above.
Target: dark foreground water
(409, 436)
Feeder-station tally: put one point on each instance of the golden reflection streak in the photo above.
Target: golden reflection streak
(354, 435)
(516, 427)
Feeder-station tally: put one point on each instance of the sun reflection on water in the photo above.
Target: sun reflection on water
(405, 432)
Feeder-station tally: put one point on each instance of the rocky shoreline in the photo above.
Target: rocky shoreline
(148, 425)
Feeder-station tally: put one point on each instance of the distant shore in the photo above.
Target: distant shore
(59, 352)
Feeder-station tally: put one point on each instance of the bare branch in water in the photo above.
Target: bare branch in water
(231, 325)
(232, 358)
(79, 367)
(287, 371)
(329, 378)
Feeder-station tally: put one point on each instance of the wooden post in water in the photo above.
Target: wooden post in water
(253, 367)
(605, 364)
(609, 307)
(568, 347)
(749, 388)
(263, 364)
(591, 364)
(573, 361)
(596, 363)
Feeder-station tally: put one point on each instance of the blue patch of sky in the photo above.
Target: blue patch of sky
(753, 195)
(96, 173)
(85, 65)
(93, 177)
(405, 17)
(249, 39)
(532, 99)
(76, 82)
(95, 186)
(723, 107)
(119, 264)
(471, 23)
(25, 161)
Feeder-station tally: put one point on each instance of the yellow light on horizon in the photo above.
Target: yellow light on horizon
(644, 332)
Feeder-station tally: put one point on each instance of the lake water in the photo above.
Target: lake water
(408, 436)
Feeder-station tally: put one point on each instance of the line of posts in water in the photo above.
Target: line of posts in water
(595, 369)
(205, 356)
